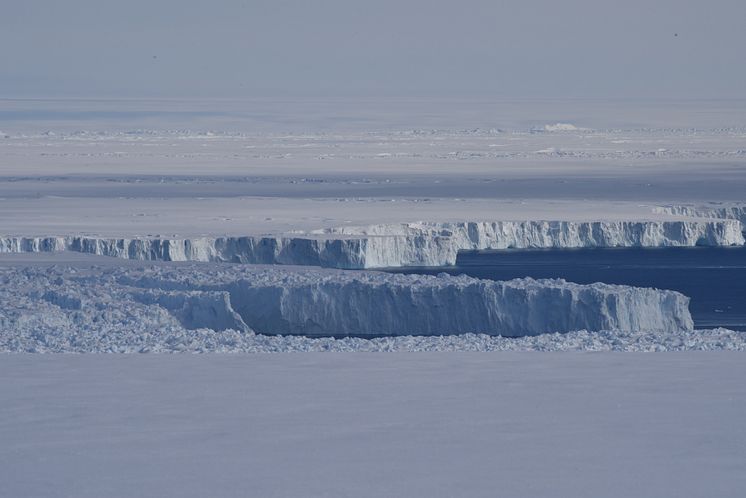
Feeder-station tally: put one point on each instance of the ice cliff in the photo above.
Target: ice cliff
(375, 305)
(140, 304)
(400, 244)
(437, 244)
(726, 211)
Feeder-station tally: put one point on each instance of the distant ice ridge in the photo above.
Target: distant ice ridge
(562, 127)
(141, 304)
(398, 244)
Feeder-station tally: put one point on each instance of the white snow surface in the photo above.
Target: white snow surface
(429, 425)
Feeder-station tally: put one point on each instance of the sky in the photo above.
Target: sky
(382, 48)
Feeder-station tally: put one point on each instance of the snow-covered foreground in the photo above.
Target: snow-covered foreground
(333, 425)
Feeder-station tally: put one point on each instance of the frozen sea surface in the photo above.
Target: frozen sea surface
(337, 425)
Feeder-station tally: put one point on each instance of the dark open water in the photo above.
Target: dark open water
(714, 278)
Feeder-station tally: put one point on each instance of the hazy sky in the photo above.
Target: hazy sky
(349, 48)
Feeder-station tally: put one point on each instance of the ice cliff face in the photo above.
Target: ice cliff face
(376, 306)
(735, 211)
(142, 304)
(437, 244)
(401, 244)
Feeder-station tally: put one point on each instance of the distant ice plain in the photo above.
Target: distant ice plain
(119, 168)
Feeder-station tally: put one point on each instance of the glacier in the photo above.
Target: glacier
(395, 244)
(67, 309)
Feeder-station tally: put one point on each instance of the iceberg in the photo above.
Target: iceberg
(73, 309)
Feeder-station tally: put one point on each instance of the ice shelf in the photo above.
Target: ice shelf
(393, 245)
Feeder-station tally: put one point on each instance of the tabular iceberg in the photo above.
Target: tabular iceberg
(80, 308)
